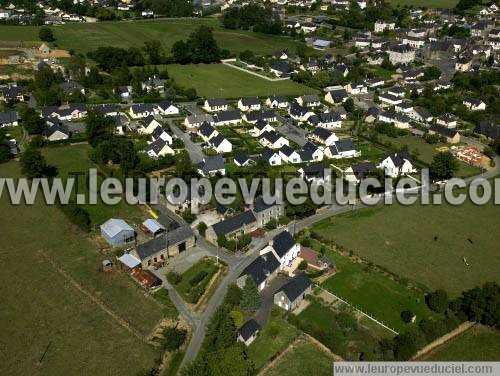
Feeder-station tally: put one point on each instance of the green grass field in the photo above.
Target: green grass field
(374, 293)
(274, 338)
(402, 239)
(88, 36)
(305, 355)
(218, 80)
(478, 344)
(185, 286)
(426, 152)
(41, 306)
(426, 3)
(74, 158)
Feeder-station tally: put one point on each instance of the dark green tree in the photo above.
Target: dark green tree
(45, 34)
(250, 297)
(444, 166)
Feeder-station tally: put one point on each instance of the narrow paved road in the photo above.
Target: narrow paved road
(194, 150)
(291, 131)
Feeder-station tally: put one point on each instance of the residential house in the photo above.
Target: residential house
(215, 105)
(206, 131)
(401, 54)
(265, 212)
(262, 270)
(69, 87)
(142, 110)
(420, 115)
(299, 113)
(397, 164)
(248, 332)
(315, 173)
(474, 104)
(220, 144)
(293, 292)
(342, 149)
(153, 84)
(380, 26)
(195, 121)
(336, 96)
(281, 68)
(310, 100)
(328, 120)
(249, 104)
(359, 171)
(8, 119)
(324, 136)
(124, 92)
(158, 148)
(272, 157)
(447, 120)
(55, 130)
(229, 117)
(255, 116)
(261, 127)
(311, 153)
(288, 155)
(273, 140)
(399, 120)
(232, 227)
(211, 166)
(167, 108)
(451, 135)
(148, 124)
(243, 160)
(277, 101)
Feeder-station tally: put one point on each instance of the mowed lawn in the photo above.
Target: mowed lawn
(426, 152)
(43, 310)
(374, 293)
(274, 338)
(425, 243)
(70, 159)
(303, 358)
(218, 80)
(478, 344)
(84, 37)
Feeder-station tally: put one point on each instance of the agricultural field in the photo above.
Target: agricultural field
(273, 339)
(374, 293)
(426, 3)
(424, 243)
(74, 158)
(84, 37)
(304, 355)
(57, 301)
(221, 81)
(477, 344)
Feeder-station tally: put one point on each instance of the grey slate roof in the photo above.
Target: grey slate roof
(282, 243)
(248, 329)
(261, 267)
(296, 287)
(171, 238)
(234, 223)
(212, 163)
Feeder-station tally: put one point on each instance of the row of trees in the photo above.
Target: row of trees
(200, 47)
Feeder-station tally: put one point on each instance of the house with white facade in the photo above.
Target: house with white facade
(396, 164)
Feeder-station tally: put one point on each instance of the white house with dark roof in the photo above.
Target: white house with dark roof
(311, 153)
(148, 124)
(195, 121)
(299, 113)
(211, 166)
(229, 117)
(288, 155)
(474, 104)
(207, 131)
(158, 148)
(293, 292)
(8, 119)
(397, 164)
(328, 120)
(220, 144)
(273, 140)
(167, 108)
(215, 105)
(261, 127)
(324, 136)
(342, 149)
(248, 332)
(284, 247)
(254, 116)
(249, 104)
(262, 270)
(447, 120)
(142, 110)
(336, 96)
(277, 101)
(309, 100)
(271, 156)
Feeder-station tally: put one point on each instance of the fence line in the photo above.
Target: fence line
(359, 310)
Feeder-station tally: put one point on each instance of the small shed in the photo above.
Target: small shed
(153, 226)
(107, 265)
(129, 262)
(248, 332)
(117, 232)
